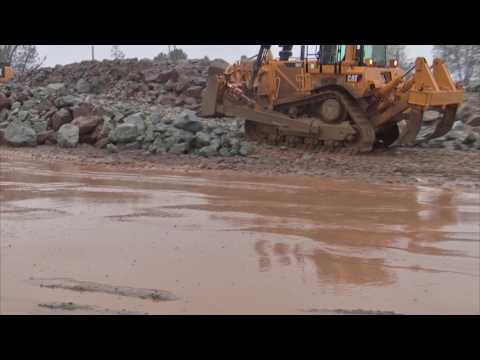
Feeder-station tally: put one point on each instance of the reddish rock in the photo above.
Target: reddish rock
(46, 137)
(86, 124)
(190, 101)
(5, 103)
(194, 91)
(179, 101)
(87, 139)
(61, 117)
(2, 137)
(161, 76)
(101, 143)
(83, 109)
(167, 99)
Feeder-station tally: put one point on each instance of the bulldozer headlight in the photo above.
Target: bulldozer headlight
(369, 62)
(393, 63)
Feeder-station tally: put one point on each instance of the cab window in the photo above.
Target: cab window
(376, 52)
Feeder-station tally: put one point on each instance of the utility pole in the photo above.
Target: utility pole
(93, 52)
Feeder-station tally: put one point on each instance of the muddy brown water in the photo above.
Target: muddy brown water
(96, 239)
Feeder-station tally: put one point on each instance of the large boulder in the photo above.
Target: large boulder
(68, 136)
(124, 133)
(188, 122)
(87, 124)
(18, 134)
(61, 117)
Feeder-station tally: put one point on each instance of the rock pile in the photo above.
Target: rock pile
(57, 114)
(151, 81)
(465, 133)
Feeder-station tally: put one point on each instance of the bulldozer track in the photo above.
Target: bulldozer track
(363, 141)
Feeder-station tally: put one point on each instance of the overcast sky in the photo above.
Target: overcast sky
(66, 54)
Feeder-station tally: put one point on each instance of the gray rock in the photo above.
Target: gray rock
(208, 151)
(470, 138)
(68, 136)
(181, 148)
(3, 115)
(16, 105)
(83, 86)
(112, 149)
(23, 116)
(29, 104)
(218, 131)
(473, 121)
(149, 131)
(235, 145)
(156, 118)
(56, 87)
(135, 145)
(137, 120)
(202, 139)
(66, 101)
(182, 136)
(18, 134)
(246, 149)
(225, 152)
(158, 146)
(458, 126)
(39, 125)
(4, 124)
(188, 122)
(124, 133)
(161, 128)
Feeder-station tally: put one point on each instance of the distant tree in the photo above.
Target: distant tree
(463, 61)
(117, 53)
(23, 58)
(399, 52)
(177, 54)
(161, 56)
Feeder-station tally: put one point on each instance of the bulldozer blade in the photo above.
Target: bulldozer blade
(209, 100)
(413, 125)
(445, 124)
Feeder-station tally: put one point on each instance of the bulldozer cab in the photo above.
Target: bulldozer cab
(362, 55)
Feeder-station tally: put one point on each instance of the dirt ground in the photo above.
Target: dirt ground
(414, 166)
(86, 233)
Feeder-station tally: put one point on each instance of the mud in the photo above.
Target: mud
(66, 308)
(348, 312)
(410, 166)
(85, 286)
(231, 242)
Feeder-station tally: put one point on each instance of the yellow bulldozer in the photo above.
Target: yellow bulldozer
(6, 73)
(348, 98)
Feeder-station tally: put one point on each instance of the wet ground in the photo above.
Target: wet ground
(97, 240)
